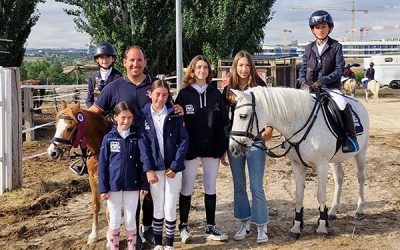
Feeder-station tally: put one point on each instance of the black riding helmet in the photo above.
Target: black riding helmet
(104, 49)
(319, 17)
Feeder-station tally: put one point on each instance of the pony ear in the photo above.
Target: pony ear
(63, 104)
(77, 106)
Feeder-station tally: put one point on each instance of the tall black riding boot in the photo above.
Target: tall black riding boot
(184, 208)
(350, 144)
(210, 201)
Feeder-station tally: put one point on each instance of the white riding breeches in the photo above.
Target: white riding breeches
(210, 173)
(338, 97)
(127, 199)
(165, 194)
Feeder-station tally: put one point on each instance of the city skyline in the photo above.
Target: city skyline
(55, 29)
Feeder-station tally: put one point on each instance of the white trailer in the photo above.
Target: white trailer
(387, 69)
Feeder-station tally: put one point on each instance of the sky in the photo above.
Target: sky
(55, 29)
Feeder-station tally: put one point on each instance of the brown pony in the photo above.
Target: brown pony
(80, 127)
(35, 92)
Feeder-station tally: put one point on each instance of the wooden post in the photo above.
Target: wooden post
(28, 121)
(10, 130)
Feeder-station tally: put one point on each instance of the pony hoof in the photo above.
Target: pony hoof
(332, 217)
(294, 236)
(360, 216)
(92, 240)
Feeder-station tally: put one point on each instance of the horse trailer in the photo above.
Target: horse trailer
(387, 69)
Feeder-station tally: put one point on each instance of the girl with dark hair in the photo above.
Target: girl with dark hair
(121, 177)
(163, 144)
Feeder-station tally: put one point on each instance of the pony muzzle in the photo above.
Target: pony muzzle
(56, 154)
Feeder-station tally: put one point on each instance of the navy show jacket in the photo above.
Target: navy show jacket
(120, 167)
(175, 142)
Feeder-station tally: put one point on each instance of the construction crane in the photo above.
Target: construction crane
(377, 27)
(353, 14)
(284, 33)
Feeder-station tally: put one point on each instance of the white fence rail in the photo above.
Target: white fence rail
(10, 130)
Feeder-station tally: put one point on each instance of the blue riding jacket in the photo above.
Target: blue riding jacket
(119, 163)
(175, 142)
(327, 67)
(95, 83)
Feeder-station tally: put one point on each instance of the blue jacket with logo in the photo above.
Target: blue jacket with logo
(175, 142)
(119, 163)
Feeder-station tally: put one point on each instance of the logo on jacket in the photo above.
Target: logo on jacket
(115, 147)
(146, 125)
(189, 109)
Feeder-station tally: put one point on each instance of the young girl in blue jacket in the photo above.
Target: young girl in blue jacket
(163, 144)
(121, 177)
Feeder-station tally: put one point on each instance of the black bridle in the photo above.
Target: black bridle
(296, 145)
(69, 142)
(253, 117)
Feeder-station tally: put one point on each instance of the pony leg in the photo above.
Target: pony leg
(338, 175)
(366, 95)
(299, 172)
(322, 172)
(361, 160)
(93, 182)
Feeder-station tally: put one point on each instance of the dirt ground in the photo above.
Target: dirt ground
(52, 210)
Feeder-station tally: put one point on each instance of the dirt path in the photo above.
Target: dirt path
(62, 219)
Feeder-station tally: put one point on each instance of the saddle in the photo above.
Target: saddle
(334, 120)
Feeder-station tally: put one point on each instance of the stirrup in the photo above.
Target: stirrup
(350, 143)
(79, 170)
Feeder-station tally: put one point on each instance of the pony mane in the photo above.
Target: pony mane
(284, 103)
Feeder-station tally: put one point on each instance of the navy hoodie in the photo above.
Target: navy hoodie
(206, 121)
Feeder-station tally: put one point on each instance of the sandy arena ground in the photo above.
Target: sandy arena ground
(52, 210)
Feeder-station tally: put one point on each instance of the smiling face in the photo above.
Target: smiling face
(243, 68)
(105, 61)
(201, 72)
(158, 97)
(321, 31)
(135, 63)
(124, 120)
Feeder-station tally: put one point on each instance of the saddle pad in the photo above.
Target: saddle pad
(334, 127)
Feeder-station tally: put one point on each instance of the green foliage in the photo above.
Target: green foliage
(51, 72)
(16, 21)
(215, 28)
(359, 76)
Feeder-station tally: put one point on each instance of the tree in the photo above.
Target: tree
(17, 19)
(216, 28)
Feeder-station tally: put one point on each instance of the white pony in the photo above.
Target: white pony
(349, 85)
(373, 87)
(292, 112)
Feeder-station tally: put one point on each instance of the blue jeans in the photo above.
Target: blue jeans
(258, 211)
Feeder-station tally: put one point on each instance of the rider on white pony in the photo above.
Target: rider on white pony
(322, 66)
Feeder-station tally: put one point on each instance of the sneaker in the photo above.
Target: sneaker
(148, 235)
(158, 247)
(185, 235)
(213, 233)
(262, 235)
(169, 248)
(244, 230)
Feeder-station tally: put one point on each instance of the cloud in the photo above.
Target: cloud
(55, 29)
